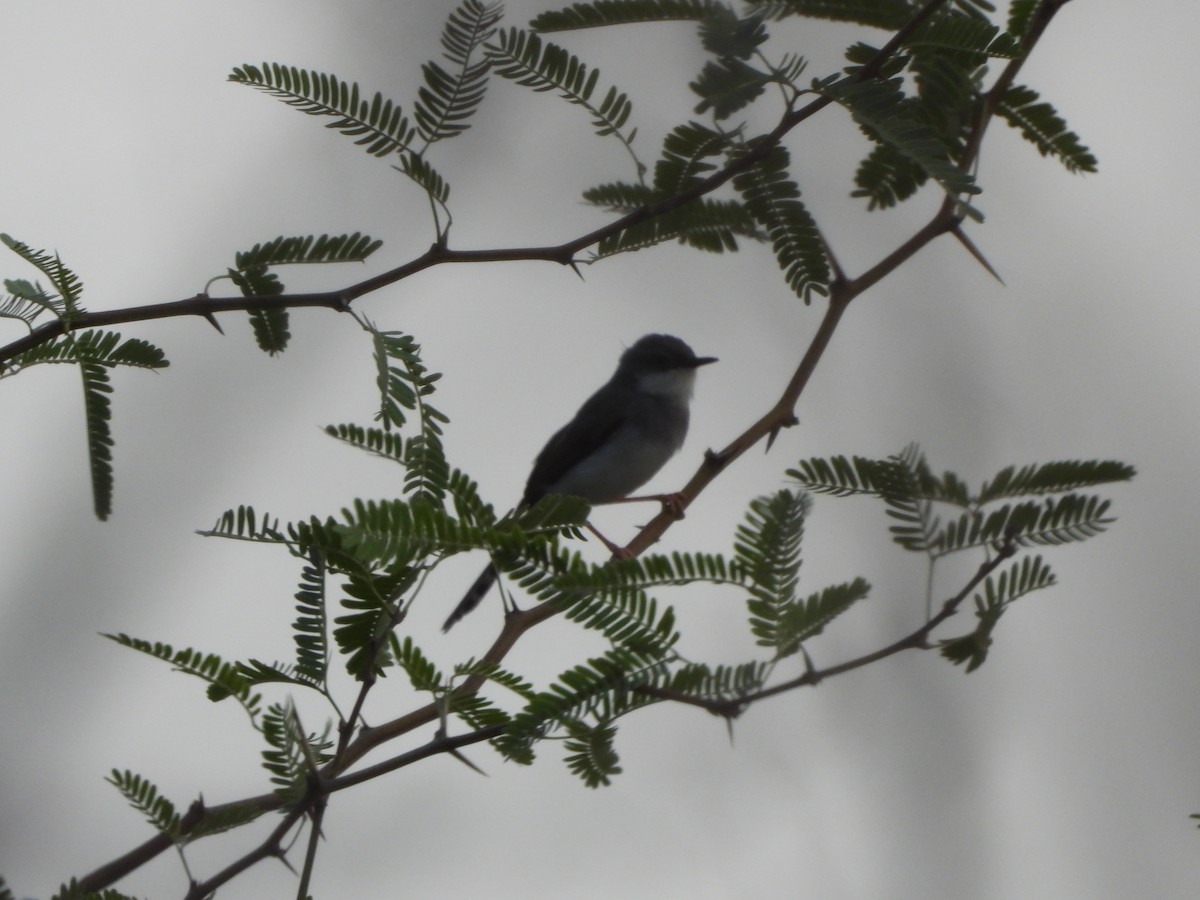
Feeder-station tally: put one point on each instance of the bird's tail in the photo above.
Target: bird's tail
(471, 598)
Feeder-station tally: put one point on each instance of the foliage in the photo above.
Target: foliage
(718, 179)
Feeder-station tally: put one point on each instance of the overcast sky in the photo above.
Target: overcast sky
(1066, 767)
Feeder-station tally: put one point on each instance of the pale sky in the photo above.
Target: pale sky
(1065, 767)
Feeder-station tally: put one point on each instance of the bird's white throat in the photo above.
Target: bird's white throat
(674, 384)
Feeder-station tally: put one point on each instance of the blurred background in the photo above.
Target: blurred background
(1067, 766)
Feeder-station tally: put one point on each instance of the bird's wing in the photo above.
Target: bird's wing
(594, 424)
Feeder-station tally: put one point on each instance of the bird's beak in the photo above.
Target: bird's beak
(704, 361)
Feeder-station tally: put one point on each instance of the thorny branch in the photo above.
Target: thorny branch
(334, 775)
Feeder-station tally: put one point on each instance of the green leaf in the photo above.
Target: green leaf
(223, 678)
(1045, 129)
(423, 674)
(709, 225)
(419, 171)
(449, 99)
(965, 34)
(244, 524)
(377, 125)
(311, 626)
(767, 548)
(881, 111)
(96, 347)
(887, 14)
(842, 477)
(522, 57)
(801, 620)
(62, 279)
(621, 12)
(302, 249)
(685, 155)
(728, 85)
(27, 302)
(144, 796)
(292, 754)
(726, 35)
(591, 754)
(372, 612)
(723, 683)
(1021, 15)
(1053, 477)
(602, 689)
(1058, 520)
(98, 412)
(773, 199)
(1020, 578)
(270, 329)
(887, 177)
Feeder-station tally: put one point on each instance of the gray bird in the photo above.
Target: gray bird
(618, 440)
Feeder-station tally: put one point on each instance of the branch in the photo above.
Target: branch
(915, 640)
(439, 254)
(842, 290)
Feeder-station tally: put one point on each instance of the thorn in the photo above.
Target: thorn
(974, 251)
(715, 457)
(616, 550)
(212, 320)
(810, 670)
(789, 422)
(575, 268)
(466, 762)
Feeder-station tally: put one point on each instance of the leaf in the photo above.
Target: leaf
(522, 57)
(425, 176)
(772, 198)
(1020, 578)
(97, 413)
(405, 384)
(887, 177)
(372, 611)
(448, 99)
(25, 308)
(1045, 129)
(684, 157)
(601, 689)
(887, 14)
(723, 683)
(292, 754)
(1053, 477)
(727, 86)
(767, 549)
(144, 796)
(798, 621)
(310, 628)
(62, 279)
(1021, 14)
(423, 674)
(245, 524)
(300, 249)
(377, 125)
(621, 12)
(881, 112)
(1059, 520)
(709, 225)
(591, 754)
(223, 678)
(270, 327)
(966, 34)
(727, 36)
(842, 476)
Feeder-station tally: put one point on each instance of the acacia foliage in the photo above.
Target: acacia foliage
(715, 183)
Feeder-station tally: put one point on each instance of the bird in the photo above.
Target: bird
(617, 441)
